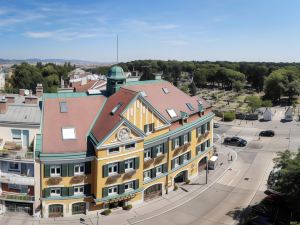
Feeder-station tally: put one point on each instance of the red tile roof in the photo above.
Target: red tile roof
(78, 87)
(161, 101)
(81, 114)
(106, 121)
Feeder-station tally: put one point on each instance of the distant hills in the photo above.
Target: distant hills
(56, 61)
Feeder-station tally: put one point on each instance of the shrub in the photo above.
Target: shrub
(266, 103)
(229, 116)
(106, 212)
(175, 187)
(187, 181)
(127, 207)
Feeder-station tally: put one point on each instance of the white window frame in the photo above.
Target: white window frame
(159, 170)
(129, 163)
(172, 113)
(113, 152)
(68, 133)
(12, 135)
(131, 148)
(13, 169)
(199, 130)
(113, 166)
(159, 149)
(185, 157)
(130, 186)
(57, 191)
(146, 173)
(81, 169)
(147, 154)
(176, 162)
(55, 174)
(176, 143)
(113, 190)
(185, 138)
(79, 190)
(148, 131)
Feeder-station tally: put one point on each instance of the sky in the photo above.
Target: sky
(232, 30)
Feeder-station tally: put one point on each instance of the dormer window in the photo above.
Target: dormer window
(189, 105)
(63, 107)
(143, 93)
(68, 133)
(114, 110)
(165, 90)
(172, 113)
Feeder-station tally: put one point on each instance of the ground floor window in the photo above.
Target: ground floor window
(56, 210)
(113, 190)
(153, 192)
(78, 190)
(78, 208)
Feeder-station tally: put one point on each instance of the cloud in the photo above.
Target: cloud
(175, 42)
(144, 25)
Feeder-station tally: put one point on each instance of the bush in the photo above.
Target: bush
(175, 187)
(106, 212)
(187, 181)
(266, 103)
(127, 207)
(229, 116)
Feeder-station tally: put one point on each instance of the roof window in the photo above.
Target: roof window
(68, 133)
(114, 110)
(172, 113)
(143, 93)
(165, 90)
(189, 105)
(63, 107)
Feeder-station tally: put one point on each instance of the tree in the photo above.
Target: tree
(237, 86)
(185, 89)
(274, 87)
(193, 89)
(266, 103)
(254, 102)
(200, 78)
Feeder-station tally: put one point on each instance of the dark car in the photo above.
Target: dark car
(267, 133)
(237, 141)
(216, 125)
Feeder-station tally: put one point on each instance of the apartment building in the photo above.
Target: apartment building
(19, 123)
(125, 146)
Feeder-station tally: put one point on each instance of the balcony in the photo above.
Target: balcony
(12, 178)
(15, 152)
(16, 197)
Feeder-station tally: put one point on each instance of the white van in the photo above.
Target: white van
(213, 162)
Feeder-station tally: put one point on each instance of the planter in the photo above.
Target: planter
(78, 179)
(54, 180)
(148, 162)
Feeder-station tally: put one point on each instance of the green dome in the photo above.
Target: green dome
(116, 72)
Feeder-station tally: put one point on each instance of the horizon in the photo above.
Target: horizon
(231, 30)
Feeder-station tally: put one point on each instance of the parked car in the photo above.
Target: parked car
(236, 141)
(267, 133)
(216, 125)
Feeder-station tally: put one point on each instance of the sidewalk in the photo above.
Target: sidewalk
(156, 207)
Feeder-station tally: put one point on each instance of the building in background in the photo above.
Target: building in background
(2, 78)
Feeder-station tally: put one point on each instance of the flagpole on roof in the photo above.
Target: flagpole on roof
(117, 49)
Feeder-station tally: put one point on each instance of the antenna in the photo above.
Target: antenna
(117, 49)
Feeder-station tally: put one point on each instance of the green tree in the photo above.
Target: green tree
(254, 102)
(185, 89)
(237, 86)
(193, 89)
(266, 103)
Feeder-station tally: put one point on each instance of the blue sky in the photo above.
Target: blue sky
(233, 30)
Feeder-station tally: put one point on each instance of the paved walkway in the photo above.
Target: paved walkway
(145, 210)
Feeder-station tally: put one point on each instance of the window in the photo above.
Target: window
(159, 149)
(112, 168)
(55, 171)
(14, 186)
(189, 105)
(199, 131)
(149, 128)
(78, 190)
(79, 169)
(114, 110)
(185, 138)
(16, 134)
(147, 175)
(130, 146)
(129, 164)
(185, 158)
(147, 154)
(176, 162)
(159, 170)
(176, 143)
(113, 190)
(208, 143)
(68, 133)
(113, 150)
(128, 186)
(63, 107)
(165, 90)
(14, 166)
(55, 192)
(172, 113)
(143, 93)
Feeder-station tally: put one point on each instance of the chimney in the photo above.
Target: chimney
(22, 92)
(39, 90)
(10, 99)
(31, 100)
(3, 105)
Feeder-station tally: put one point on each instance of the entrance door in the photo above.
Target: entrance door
(202, 165)
(56, 210)
(152, 192)
(78, 208)
(181, 177)
(25, 138)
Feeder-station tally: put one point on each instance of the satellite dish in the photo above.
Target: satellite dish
(26, 92)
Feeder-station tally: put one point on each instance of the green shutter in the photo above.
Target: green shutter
(71, 170)
(46, 192)
(181, 140)
(46, 170)
(121, 189)
(208, 126)
(145, 128)
(189, 136)
(121, 167)
(180, 159)
(104, 192)
(71, 191)
(189, 155)
(136, 184)
(136, 163)
(64, 191)
(172, 164)
(24, 189)
(197, 133)
(105, 170)
(165, 167)
(173, 143)
(153, 152)
(88, 167)
(166, 147)
(64, 170)
(153, 173)
(87, 189)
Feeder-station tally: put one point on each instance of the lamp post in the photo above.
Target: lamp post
(206, 177)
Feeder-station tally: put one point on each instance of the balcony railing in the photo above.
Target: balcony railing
(21, 154)
(11, 178)
(10, 196)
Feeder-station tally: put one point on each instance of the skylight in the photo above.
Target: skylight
(172, 113)
(63, 107)
(165, 90)
(200, 102)
(189, 105)
(114, 110)
(143, 94)
(68, 133)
